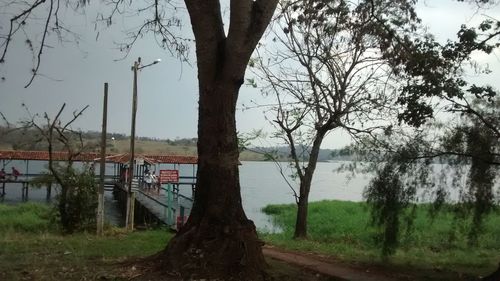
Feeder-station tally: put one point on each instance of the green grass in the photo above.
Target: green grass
(28, 217)
(32, 249)
(51, 256)
(342, 229)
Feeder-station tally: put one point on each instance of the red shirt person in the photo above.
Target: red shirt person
(15, 173)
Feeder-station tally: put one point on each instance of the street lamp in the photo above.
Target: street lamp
(129, 222)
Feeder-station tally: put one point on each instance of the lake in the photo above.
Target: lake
(261, 184)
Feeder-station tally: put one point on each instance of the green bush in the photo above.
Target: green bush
(76, 202)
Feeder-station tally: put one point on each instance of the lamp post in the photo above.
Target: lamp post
(129, 220)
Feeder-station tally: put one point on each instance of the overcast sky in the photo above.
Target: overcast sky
(168, 98)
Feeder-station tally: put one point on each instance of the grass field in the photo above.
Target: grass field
(341, 229)
(31, 248)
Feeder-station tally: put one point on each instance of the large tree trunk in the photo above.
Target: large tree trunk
(219, 241)
(218, 238)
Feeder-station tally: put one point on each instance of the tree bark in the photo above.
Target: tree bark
(305, 185)
(219, 241)
(302, 208)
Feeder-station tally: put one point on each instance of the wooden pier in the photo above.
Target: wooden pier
(26, 180)
(25, 187)
(170, 205)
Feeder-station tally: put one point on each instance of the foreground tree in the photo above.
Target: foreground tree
(219, 241)
(330, 72)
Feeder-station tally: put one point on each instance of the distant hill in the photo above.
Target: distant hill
(30, 139)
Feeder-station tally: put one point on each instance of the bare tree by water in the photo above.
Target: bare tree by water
(330, 72)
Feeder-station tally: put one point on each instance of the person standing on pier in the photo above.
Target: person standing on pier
(15, 173)
(148, 179)
(155, 182)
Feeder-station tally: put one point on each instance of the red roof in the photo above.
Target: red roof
(93, 156)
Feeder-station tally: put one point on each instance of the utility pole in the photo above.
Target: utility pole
(102, 164)
(130, 195)
(129, 221)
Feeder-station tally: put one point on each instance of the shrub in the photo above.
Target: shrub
(76, 202)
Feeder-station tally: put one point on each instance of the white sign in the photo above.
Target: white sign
(139, 161)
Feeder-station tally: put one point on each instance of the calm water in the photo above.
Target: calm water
(14, 191)
(261, 185)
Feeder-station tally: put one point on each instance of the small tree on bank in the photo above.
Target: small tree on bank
(77, 199)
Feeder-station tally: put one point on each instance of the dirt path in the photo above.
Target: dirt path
(326, 267)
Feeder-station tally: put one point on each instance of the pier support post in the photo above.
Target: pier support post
(130, 211)
(170, 202)
(49, 193)
(25, 192)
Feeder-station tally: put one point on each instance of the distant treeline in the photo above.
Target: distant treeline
(119, 136)
(282, 153)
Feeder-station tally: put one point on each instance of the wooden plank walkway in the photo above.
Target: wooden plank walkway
(167, 210)
(164, 209)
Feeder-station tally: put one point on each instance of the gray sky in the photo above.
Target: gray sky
(168, 98)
